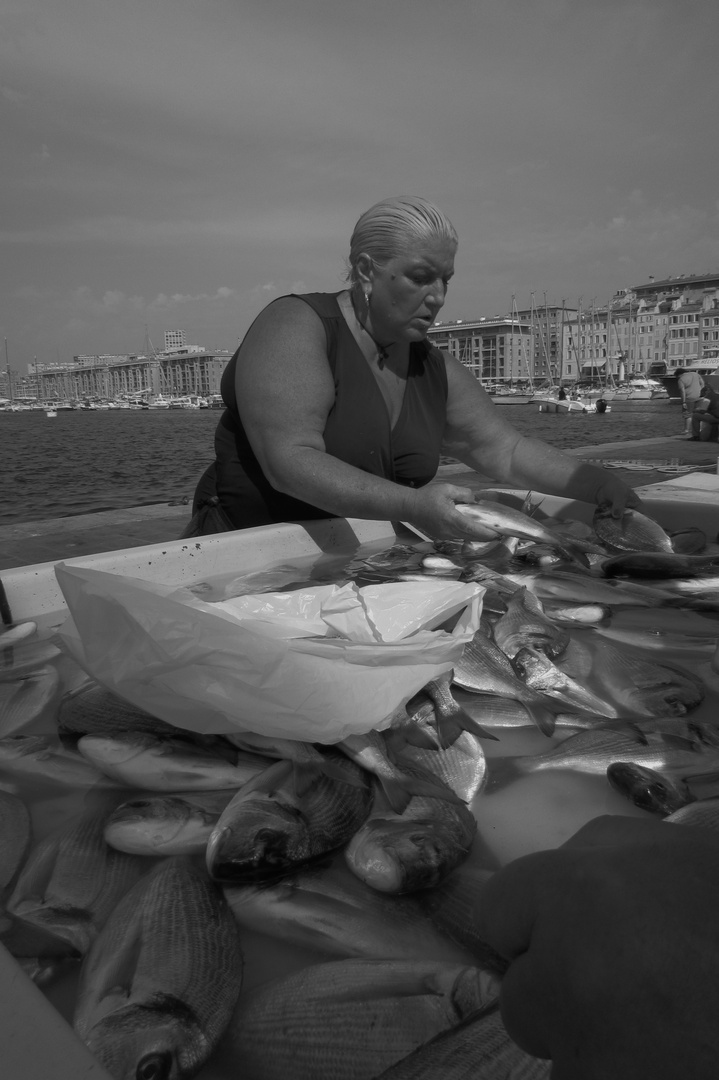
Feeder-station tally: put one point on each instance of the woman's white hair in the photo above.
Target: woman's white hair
(389, 227)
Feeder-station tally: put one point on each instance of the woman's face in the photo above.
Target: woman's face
(409, 291)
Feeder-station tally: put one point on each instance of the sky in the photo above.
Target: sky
(177, 164)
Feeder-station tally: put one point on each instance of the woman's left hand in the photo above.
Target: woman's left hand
(614, 492)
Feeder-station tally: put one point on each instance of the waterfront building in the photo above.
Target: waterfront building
(191, 371)
(497, 350)
(174, 339)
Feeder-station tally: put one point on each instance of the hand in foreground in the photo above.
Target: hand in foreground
(617, 494)
(434, 512)
(614, 947)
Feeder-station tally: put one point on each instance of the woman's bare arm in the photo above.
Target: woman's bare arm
(285, 391)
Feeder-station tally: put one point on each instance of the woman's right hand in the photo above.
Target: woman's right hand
(433, 511)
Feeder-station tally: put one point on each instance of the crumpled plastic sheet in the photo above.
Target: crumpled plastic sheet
(317, 664)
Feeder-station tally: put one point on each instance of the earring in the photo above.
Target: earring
(366, 302)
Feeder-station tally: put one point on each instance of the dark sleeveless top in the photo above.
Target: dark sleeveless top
(357, 431)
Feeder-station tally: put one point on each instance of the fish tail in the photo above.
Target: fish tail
(467, 723)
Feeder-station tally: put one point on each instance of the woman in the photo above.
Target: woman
(338, 406)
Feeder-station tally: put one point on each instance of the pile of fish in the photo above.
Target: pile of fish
(178, 847)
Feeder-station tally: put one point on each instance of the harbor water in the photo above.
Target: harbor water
(81, 462)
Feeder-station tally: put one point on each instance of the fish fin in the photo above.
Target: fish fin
(703, 785)
(306, 773)
(413, 734)
(680, 742)
(466, 723)
(542, 716)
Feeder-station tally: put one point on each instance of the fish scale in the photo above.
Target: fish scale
(172, 947)
(351, 1018)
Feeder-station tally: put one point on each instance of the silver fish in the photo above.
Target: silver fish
(507, 521)
(524, 625)
(159, 985)
(328, 909)
(385, 1007)
(177, 824)
(584, 589)
(593, 751)
(635, 685)
(545, 677)
(461, 766)
(451, 718)
(26, 657)
(16, 632)
(72, 881)
(484, 669)
(417, 849)
(47, 762)
(25, 700)
(370, 752)
(702, 813)
(567, 614)
(155, 763)
(267, 830)
(633, 531)
(478, 1047)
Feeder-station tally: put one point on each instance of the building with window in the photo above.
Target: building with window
(496, 350)
(174, 339)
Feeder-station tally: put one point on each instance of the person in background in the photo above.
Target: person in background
(337, 405)
(562, 395)
(691, 389)
(705, 417)
(613, 943)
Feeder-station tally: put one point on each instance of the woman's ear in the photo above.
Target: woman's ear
(365, 268)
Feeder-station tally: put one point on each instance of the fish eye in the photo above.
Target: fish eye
(157, 1066)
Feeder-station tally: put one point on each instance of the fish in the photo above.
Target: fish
(47, 762)
(159, 986)
(15, 833)
(155, 763)
(16, 632)
(450, 717)
(484, 669)
(545, 677)
(688, 541)
(370, 752)
(402, 853)
(327, 909)
(175, 824)
(524, 625)
(93, 710)
(591, 752)
(701, 813)
(26, 657)
(380, 1010)
(577, 588)
(673, 629)
(633, 531)
(453, 908)
(477, 1047)
(660, 564)
(441, 565)
(460, 766)
(504, 520)
(567, 614)
(25, 700)
(307, 761)
(636, 685)
(267, 830)
(72, 881)
(647, 788)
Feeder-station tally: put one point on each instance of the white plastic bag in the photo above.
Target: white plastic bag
(201, 667)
